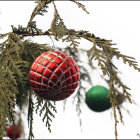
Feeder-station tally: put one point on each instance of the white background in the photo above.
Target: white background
(116, 20)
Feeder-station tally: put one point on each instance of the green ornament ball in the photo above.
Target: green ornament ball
(97, 100)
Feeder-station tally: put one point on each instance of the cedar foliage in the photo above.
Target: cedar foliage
(17, 54)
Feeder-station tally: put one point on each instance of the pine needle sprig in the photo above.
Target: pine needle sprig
(40, 9)
(3, 120)
(114, 52)
(16, 58)
(3, 35)
(7, 99)
(80, 5)
(73, 41)
(45, 108)
(59, 30)
(58, 27)
(30, 115)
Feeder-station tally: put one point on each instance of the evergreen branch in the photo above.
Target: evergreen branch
(80, 5)
(39, 103)
(39, 9)
(57, 32)
(11, 113)
(113, 102)
(32, 50)
(115, 80)
(79, 98)
(12, 42)
(3, 120)
(116, 121)
(113, 52)
(47, 108)
(113, 94)
(120, 113)
(30, 116)
(42, 109)
(52, 106)
(71, 39)
(2, 46)
(47, 115)
(3, 35)
(11, 76)
(6, 106)
(16, 67)
(94, 53)
(58, 27)
(120, 98)
(109, 68)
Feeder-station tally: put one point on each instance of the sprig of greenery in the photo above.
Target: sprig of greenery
(30, 115)
(80, 5)
(40, 9)
(59, 30)
(47, 107)
(16, 58)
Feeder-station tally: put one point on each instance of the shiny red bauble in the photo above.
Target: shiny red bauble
(54, 75)
(13, 131)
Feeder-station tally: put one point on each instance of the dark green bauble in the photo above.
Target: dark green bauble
(97, 100)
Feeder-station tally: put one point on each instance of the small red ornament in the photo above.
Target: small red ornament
(13, 131)
(54, 75)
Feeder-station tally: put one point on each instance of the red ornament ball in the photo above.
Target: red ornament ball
(13, 131)
(54, 75)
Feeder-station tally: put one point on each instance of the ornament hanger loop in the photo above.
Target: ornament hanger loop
(53, 46)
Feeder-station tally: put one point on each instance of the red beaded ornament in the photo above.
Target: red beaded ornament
(54, 75)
